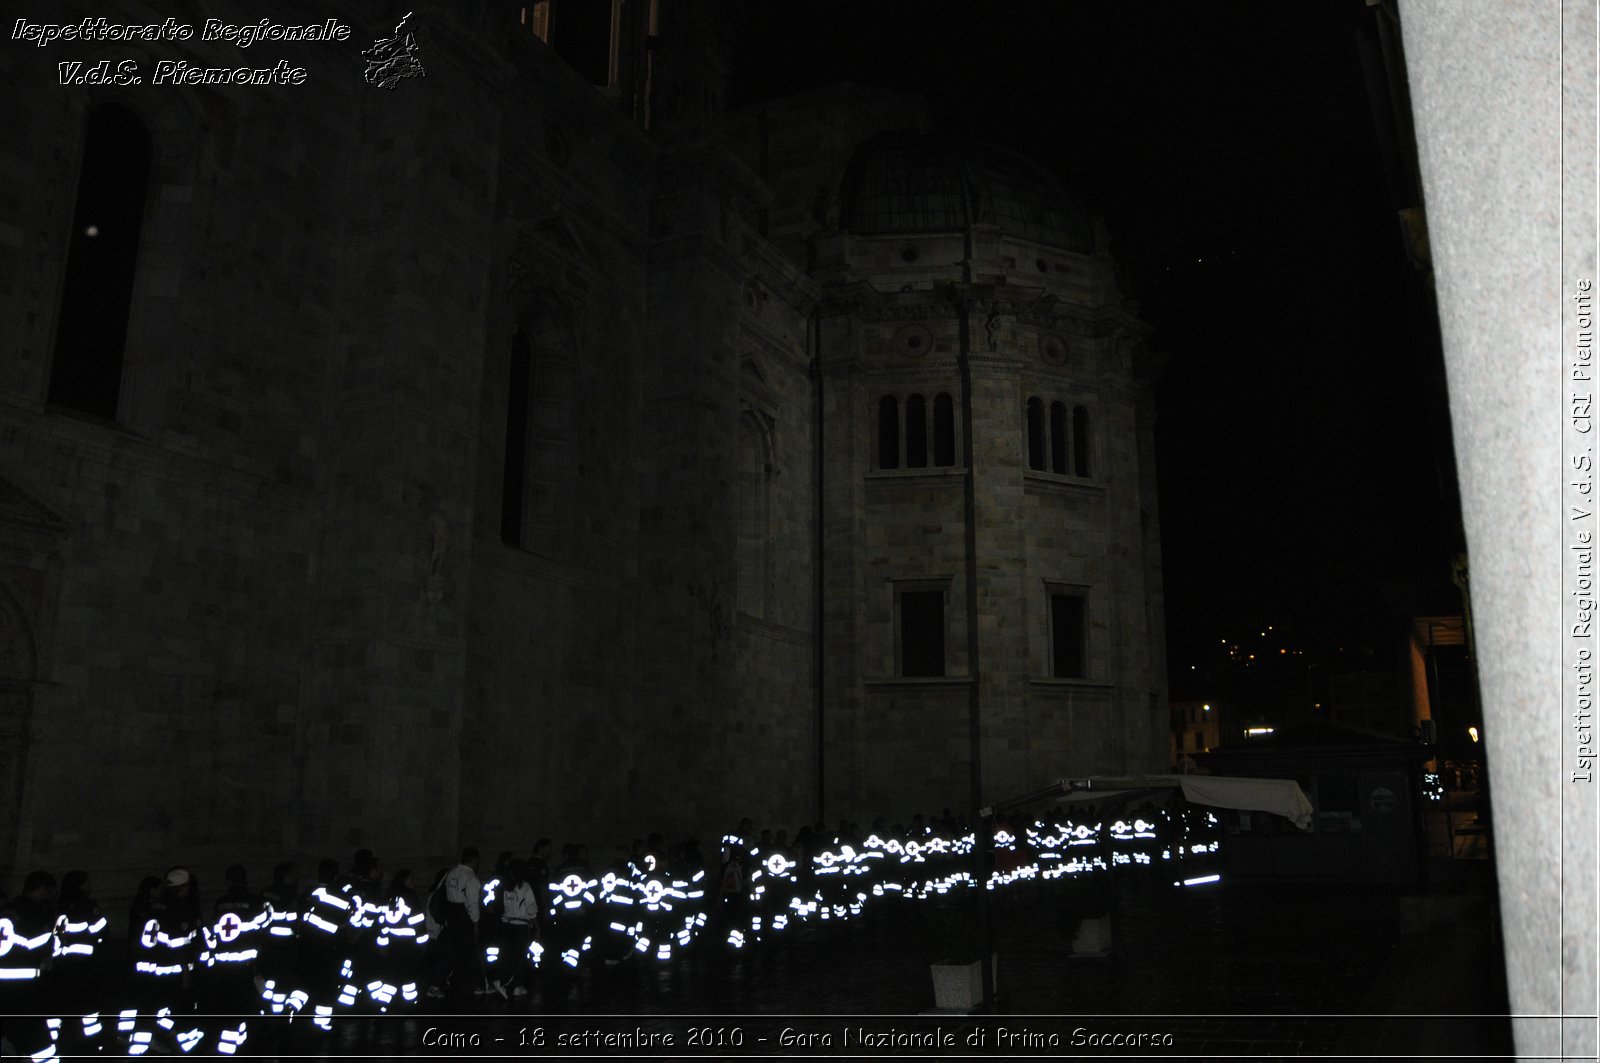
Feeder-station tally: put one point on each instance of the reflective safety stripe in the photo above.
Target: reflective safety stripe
(242, 956)
(18, 974)
(1202, 880)
(321, 924)
(325, 897)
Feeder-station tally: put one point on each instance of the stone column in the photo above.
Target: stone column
(1505, 114)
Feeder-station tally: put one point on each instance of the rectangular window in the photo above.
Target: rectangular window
(580, 31)
(1068, 636)
(921, 632)
(516, 458)
(537, 19)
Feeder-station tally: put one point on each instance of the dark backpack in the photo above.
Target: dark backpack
(438, 907)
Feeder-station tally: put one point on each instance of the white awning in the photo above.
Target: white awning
(1282, 797)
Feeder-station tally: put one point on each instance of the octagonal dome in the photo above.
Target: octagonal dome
(920, 183)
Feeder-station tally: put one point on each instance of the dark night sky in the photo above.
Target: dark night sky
(1231, 148)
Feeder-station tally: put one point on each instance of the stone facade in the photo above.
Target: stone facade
(495, 457)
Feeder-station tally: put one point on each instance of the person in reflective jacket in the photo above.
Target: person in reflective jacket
(519, 914)
(322, 953)
(490, 936)
(27, 937)
(139, 910)
(735, 891)
(227, 975)
(73, 983)
(668, 909)
(573, 893)
(363, 889)
(279, 951)
(164, 958)
(400, 946)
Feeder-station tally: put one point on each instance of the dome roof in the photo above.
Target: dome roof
(917, 182)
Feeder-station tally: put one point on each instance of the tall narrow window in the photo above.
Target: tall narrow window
(944, 430)
(916, 432)
(580, 33)
(1068, 635)
(888, 433)
(921, 632)
(1058, 437)
(536, 17)
(1080, 441)
(1036, 445)
(516, 464)
(753, 465)
(92, 333)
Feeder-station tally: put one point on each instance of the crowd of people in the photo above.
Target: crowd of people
(362, 941)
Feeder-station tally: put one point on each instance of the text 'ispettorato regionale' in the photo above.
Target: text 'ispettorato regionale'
(177, 72)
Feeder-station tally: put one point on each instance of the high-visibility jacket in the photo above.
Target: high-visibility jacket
(283, 913)
(168, 945)
(233, 937)
(79, 930)
(324, 915)
(27, 936)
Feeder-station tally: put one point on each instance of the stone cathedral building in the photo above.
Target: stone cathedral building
(539, 448)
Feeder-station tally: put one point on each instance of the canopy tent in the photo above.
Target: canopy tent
(1282, 797)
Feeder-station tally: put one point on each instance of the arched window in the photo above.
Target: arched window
(1058, 437)
(1080, 441)
(1036, 444)
(888, 433)
(754, 473)
(97, 295)
(944, 430)
(516, 463)
(916, 432)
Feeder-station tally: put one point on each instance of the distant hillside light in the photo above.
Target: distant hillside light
(1206, 707)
